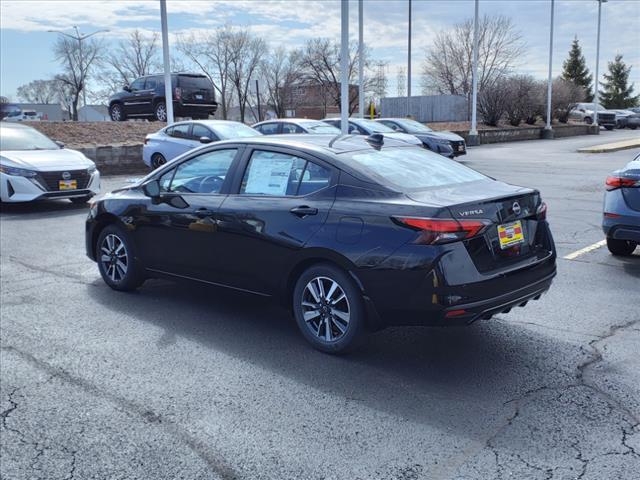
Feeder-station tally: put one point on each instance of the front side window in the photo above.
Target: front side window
(411, 168)
(281, 174)
(137, 84)
(151, 83)
(202, 174)
(198, 131)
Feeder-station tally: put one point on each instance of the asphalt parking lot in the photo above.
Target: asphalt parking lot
(183, 381)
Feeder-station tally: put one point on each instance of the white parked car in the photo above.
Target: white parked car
(24, 116)
(34, 167)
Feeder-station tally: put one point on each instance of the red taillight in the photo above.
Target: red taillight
(541, 212)
(614, 182)
(443, 230)
(455, 313)
(177, 93)
(146, 140)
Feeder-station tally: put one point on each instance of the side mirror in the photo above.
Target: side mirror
(126, 88)
(151, 189)
(60, 144)
(205, 140)
(581, 110)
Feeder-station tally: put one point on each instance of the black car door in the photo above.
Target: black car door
(146, 96)
(279, 200)
(177, 232)
(133, 102)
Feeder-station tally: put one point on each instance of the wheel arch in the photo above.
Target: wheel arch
(101, 222)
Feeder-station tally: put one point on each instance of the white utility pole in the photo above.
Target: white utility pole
(473, 133)
(548, 130)
(409, 65)
(168, 90)
(344, 67)
(360, 58)
(595, 83)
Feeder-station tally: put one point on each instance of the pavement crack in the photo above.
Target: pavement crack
(215, 463)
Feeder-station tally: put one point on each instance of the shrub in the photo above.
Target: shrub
(564, 94)
(492, 102)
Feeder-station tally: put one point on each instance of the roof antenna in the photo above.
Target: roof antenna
(376, 140)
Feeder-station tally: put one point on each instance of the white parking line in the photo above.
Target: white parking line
(582, 251)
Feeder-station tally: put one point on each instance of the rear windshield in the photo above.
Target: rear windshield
(375, 127)
(194, 82)
(413, 126)
(231, 130)
(406, 169)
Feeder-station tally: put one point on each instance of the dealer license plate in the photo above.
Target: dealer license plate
(68, 185)
(510, 234)
(199, 97)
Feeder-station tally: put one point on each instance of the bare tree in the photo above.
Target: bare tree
(40, 91)
(281, 71)
(247, 53)
(212, 54)
(493, 101)
(522, 98)
(401, 82)
(134, 57)
(321, 62)
(78, 58)
(565, 92)
(447, 67)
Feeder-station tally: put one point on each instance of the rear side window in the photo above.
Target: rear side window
(179, 131)
(411, 168)
(279, 174)
(268, 128)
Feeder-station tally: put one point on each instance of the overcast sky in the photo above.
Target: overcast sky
(26, 47)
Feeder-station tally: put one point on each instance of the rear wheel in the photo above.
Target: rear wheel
(621, 247)
(117, 263)
(609, 127)
(329, 309)
(157, 160)
(160, 112)
(116, 112)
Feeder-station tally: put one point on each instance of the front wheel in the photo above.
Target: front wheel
(160, 112)
(588, 120)
(621, 247)
(115, 254)
(329, 309)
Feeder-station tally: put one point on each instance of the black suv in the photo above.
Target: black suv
(193, 96)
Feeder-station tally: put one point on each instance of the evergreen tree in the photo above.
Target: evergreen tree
(617, 92)
(575, 69)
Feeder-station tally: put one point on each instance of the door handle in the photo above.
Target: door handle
(303, 210)
(203, 212)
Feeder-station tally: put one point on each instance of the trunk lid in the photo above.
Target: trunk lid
(196, 89)
(508, 206)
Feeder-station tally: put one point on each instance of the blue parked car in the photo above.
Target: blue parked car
(621, 223)
(180, 137)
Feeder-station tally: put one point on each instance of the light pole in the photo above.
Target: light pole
(409, 65)
(79, 38)
(595, 83)
(473, 139)
(360, 58)
(344, 67)
(168, 91)
(548, 130)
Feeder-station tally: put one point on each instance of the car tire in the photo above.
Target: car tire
(588, 120)
(330, 323)
(160, 112)
(157, 160)
(633, 127)
(81, 200)
(621, 247)
(609, 127)
(116, 112)
(115, 254)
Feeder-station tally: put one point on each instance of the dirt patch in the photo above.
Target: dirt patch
(86, 134)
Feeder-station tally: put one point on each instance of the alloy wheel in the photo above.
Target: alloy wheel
(325, 309)
(114, 258)
(116, 113)
(158, 160)
(161, 112)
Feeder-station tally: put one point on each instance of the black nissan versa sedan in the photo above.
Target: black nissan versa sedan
(353, 233)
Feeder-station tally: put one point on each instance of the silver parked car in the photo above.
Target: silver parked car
(585, 112)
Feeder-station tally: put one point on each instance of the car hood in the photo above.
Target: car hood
(46, 160)
(403, 137)
(445, 135)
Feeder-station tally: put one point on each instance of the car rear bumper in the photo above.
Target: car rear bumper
(186, 109)
(14, 189)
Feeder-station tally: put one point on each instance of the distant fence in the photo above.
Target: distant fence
(427, 108)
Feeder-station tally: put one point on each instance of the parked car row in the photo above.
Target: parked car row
(608, 119)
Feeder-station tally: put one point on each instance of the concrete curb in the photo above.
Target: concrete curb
(611, 147)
